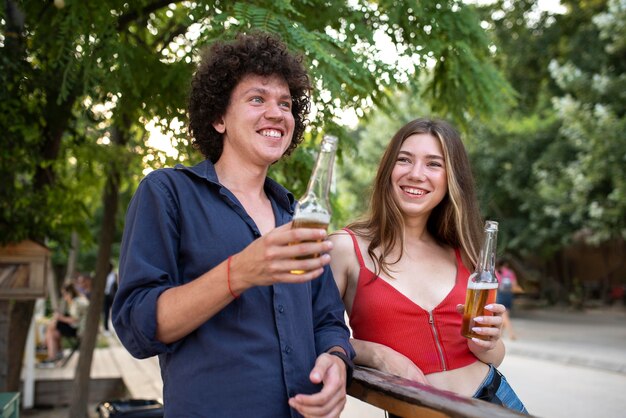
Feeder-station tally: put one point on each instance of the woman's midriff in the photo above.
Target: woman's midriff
(463, 381)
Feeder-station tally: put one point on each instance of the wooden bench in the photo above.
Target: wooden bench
(410, 399)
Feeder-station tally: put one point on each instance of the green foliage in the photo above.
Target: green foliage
(525, 45)
(553, 173)
(510, 169)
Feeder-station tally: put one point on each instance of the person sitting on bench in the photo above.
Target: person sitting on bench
(68, 322)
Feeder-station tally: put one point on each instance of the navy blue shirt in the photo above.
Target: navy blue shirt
(258, 351)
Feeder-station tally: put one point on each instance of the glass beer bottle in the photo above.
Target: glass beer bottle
(313, 209)
(482, 285)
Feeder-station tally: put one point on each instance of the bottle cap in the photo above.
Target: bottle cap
(329, 143)
(491, 226)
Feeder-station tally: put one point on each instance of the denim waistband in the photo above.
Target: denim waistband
(488, 388)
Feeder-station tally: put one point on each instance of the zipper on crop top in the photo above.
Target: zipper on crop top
(431, 321)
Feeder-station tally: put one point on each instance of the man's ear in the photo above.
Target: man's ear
(219, 125)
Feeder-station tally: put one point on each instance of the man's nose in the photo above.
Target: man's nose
(273, 111)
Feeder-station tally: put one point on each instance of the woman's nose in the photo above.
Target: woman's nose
(417, 173)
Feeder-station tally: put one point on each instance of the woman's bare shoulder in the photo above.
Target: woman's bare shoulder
(343, 237)
(341, 240)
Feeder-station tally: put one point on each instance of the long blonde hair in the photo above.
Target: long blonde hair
(455, 221)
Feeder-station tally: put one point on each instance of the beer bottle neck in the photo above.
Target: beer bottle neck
(319, 183)
(487, 259)
(315, 200)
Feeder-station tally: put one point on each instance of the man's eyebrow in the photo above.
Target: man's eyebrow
(255, 90)
(263, 90)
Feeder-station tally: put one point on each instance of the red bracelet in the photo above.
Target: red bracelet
(228, 277)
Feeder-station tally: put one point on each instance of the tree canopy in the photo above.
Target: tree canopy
(73, 70)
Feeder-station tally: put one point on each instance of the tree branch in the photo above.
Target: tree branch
(169, 36)
(130, 17)
(14, 27)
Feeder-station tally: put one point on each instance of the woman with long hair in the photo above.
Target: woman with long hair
(402, 270)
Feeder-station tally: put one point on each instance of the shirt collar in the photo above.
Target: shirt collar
(206, 170)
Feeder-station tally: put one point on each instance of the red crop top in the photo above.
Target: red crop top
(432, 340)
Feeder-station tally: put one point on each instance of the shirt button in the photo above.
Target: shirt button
(281, 308)
(288, 349)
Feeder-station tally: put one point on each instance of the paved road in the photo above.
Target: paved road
(564, 364)
(569, 364)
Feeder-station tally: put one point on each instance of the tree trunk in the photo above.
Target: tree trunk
(110, 196)
(13, 334)
(20, 318)
(72, 257)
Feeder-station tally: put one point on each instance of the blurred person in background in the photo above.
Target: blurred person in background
(507, 289)
(110, 288)
(68, 322)
(83, 284)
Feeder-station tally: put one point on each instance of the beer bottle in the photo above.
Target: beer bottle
(313, 209)
(482, 285)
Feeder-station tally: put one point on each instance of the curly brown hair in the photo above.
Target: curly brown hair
(223, 66)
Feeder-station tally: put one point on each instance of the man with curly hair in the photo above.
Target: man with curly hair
(206, 261)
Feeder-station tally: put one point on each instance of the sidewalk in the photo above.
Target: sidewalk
(593, 338)
(568, 364)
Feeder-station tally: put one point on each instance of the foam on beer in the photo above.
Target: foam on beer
(313, 217)
(482, 285)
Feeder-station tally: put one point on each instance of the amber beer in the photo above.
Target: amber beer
(319, 223)
(478, 296)
(310, 223)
